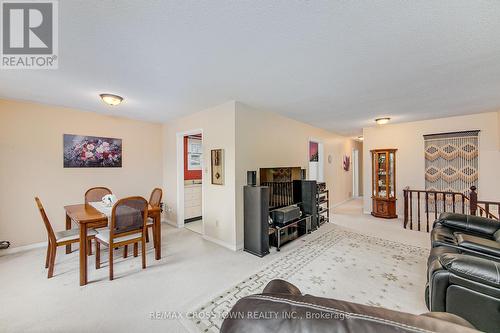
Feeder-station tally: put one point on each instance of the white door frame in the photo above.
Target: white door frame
(180, 177)
(321, 159)
(355, 172)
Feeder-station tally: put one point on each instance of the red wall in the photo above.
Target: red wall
(189, 174)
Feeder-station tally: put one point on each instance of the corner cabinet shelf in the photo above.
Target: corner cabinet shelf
(323, 204)
(384, 183)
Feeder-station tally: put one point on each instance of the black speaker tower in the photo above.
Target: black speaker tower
(256, 225)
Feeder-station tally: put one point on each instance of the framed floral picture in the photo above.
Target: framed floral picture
(92, 152)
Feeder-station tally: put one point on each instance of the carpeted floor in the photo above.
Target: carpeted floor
(337, 264)
(192, 271)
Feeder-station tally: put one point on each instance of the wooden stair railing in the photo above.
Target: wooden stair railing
(437, 202)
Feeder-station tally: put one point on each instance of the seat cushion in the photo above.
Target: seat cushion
(103, 235)
(72, 234)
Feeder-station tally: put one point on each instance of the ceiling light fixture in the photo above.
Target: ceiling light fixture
(111, 99)
(360, 138)
(382, 121)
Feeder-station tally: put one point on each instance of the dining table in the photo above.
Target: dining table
(85, 215)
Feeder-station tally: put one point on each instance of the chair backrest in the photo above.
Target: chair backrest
(155, 198)
(129, 215)
(46, 222)
(96, 193)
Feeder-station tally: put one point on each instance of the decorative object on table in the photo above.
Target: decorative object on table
(109, 200)
(384, 183)
(217, 156)
(346, 162)
(313, 151)
(92, 152)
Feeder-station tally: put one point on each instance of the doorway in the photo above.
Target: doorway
(316, 161)
(190, 181)
(355, 173)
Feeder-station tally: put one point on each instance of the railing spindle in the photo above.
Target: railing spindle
(427, 209)
(418, 209)
(411, 212)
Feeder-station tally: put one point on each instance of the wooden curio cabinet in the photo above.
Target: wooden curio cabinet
(384, 183)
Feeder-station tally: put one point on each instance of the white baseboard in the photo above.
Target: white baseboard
(28, 247)
(342, 202)
(172, 223)
(221, 243)
(23, 248)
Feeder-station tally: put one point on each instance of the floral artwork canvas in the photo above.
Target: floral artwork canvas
(92, 152)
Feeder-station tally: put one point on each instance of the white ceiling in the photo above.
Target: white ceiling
(333, 64)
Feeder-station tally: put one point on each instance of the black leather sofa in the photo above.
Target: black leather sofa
(464, 269)
(283, 308)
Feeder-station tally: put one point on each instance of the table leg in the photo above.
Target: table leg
(278, 232)
(68, 226)
(157, 235)
(83, 254)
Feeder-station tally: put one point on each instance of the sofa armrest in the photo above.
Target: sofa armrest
(278, 286)
(449, 317)
(478, 244)
(470, 223)
(472, 268)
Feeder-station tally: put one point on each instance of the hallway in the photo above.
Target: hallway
(350, 215)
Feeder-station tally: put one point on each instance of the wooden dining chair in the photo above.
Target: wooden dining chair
(96, 193)
(128, 226)
(154, 201)
(60, 238)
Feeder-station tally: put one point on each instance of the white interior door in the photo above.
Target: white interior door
(355, 173)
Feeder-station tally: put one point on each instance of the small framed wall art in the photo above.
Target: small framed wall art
(217, 161)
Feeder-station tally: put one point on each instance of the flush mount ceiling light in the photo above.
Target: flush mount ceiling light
(360, 138)
(382, 121)
(111, 99)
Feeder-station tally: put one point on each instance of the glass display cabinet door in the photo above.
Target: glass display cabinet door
(381, 175)
(391, 190)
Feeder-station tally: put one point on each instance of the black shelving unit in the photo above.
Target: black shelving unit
(323, 204)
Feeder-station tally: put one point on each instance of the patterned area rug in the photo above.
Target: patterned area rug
(338, 264)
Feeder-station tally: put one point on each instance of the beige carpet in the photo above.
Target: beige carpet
(337, 264)
(191, 271)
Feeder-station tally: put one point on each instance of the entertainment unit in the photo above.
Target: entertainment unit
(283, 208)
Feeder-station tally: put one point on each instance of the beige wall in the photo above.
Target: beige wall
(31, 164)
(410, 160)
(218, 128)
(265, 139)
